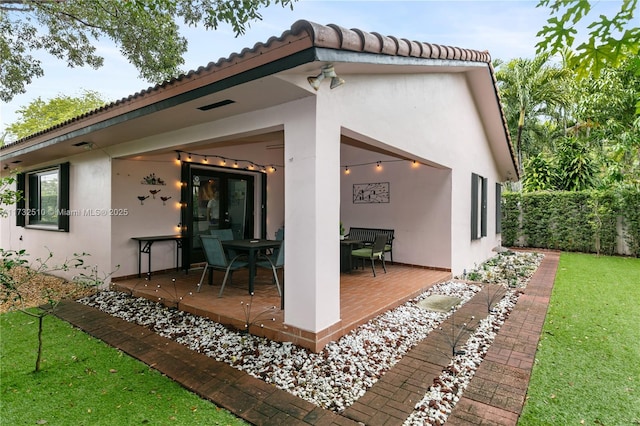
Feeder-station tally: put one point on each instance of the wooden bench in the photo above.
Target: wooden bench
(368, 236)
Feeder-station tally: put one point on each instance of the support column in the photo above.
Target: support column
(312, 210)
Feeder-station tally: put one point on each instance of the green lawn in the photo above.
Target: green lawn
(587, 368)
(85, 382)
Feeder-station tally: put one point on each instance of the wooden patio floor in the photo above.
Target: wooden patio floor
(362, 297)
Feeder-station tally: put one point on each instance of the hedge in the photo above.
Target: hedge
(583, 221)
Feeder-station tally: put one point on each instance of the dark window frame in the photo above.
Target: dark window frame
(478, 206)
(31, 207)
(498, 208)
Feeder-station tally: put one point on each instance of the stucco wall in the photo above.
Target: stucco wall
(149, 217)
(153, 218)
(434, 118)
(89, 225)
(419, 207)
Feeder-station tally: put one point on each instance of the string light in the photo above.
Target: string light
(250, 165)
(378, 164)
(264, 168)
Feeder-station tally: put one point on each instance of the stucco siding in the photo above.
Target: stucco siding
(89, 221)
(432, 117)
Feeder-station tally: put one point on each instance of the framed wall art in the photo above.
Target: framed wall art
(370, 193)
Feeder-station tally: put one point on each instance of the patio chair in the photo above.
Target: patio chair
(225, 235)
(273, 262)
(217, 259)
(373, 252)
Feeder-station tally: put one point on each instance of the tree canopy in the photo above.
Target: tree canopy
(573, 133)
(146, 31)
(40, 115)
(611, 39)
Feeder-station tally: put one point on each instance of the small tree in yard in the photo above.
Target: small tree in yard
(16, 273)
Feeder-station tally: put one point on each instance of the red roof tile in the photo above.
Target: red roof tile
(302, 35)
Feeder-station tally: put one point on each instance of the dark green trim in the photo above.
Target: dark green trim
(478, 194)
(186, 215)
(474, 206)
(33, 194)
(263, 206)
(187, 172)
(498, 208)
(483, 213)
(292, 61)
(63, 197)
(21, 204)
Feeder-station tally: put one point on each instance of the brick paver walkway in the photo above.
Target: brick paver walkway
(494, 397)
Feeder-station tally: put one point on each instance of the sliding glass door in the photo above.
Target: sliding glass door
(219, 198)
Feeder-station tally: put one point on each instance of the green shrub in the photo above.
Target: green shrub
(581, 221)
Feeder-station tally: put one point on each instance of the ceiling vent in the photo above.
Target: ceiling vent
(216, 105)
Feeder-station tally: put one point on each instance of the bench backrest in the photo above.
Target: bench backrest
(368, 235)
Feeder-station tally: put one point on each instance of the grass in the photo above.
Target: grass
(587, 368)
(85, 382)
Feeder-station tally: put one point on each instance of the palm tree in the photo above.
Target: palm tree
(531, 90)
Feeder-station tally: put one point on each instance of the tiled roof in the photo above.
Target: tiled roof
(302, 35)
(336, 37)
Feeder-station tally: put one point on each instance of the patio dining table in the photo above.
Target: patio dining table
(252, 248)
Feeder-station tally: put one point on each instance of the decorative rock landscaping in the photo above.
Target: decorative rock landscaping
(345, 369)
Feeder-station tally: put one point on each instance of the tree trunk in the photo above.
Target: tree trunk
(519, 139)
(40, 322)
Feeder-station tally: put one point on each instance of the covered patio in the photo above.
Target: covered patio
(362, 297)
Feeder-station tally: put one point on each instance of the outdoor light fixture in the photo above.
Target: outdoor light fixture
(223, 161)
(327, 72)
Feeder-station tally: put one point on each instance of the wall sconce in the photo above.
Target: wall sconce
(327, 72)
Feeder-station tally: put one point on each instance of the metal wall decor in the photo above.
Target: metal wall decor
(368, 193)
(152, 179)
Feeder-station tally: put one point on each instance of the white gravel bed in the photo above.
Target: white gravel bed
(332, 379)
(336, 377)
(442, 396)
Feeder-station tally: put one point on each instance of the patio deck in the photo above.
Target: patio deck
(362, 297)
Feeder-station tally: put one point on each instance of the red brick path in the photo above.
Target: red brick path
(494, 397)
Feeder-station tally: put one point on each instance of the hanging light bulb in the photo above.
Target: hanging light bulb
(346, 170)
(206, 160)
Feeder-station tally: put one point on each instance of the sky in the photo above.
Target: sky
(507, 29)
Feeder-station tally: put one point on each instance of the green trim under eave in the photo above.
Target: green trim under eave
(292, 61)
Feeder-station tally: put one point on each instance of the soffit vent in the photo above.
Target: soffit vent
(216, 105)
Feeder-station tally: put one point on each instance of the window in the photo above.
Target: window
(46, 198)
(498, 208)
(478, 206)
